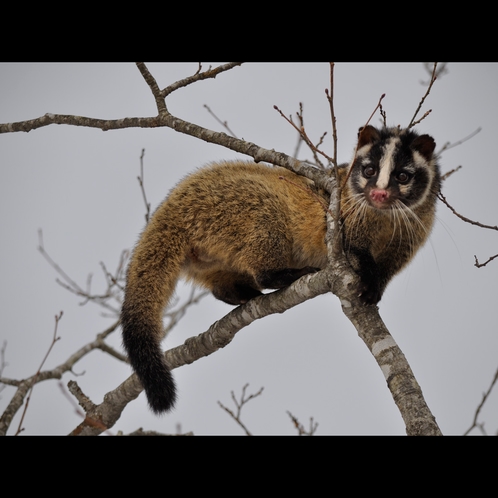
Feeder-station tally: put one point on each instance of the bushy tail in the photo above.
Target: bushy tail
(147, 359)
(152, 275)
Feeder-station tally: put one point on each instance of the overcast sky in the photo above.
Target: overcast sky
(80, 187)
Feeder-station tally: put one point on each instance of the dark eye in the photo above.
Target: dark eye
(369, 171)
(403, 177)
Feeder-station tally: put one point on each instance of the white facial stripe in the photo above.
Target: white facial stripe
(386, 166)
(364, 150)
(422, 164)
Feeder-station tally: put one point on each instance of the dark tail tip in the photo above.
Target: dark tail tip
(159, 387)
(147, 360)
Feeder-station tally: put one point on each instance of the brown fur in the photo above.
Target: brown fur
(237, 228)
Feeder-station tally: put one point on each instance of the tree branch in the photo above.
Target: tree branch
(151, 81)
(219, 335)
(239, 404)
(24, 386)
(422, 100)
(463, 218)
(199, 76)
(481, 404)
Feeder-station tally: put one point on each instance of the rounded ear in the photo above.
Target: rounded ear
(425, 145)
(367, 135)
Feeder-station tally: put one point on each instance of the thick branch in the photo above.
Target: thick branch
(151, 81)
(219, 335)
(366, 319)
(65, 119)
(177, 124)
(404, 388)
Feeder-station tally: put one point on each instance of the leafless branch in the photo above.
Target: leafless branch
(114, 282)
(485, 396)
(463, 218)
(166, 119)
(300, 140)
(422, 100)
(70, 399)
(442, 69)
(300, 428)
(24, 386)
(297, 148)
(414, 123)
(314, 148)
(174, 315)
(330, 98)
(467, 220)
(302, 131)
(449, 173)
(141, 183)
(199, 76)
(480, 265)
(239, 404)
(449, 145)
(223, 123)
(151, 81)
(383, 115)
(33, 382)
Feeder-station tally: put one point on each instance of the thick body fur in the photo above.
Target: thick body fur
(237, 228)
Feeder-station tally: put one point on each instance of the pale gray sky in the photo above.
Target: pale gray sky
(79, 186)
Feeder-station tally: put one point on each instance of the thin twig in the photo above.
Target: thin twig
(449, 173)
(299, 137)
(313, 147)
(239, 405)
(431, 82)
(141, 183)
(480, 265)
(73, 287)
(449, 145)
(198, 76)
(300, 428)
(176, 315)
(330, 98)
(421, 119)
(467, 220)
(28, 397)
(337, 246)
(384, 115)
(223, 123)
(304, 135)
(478, 410)
(441, 69)
(476, 223)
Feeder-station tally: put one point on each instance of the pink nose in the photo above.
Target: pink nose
(379, 195)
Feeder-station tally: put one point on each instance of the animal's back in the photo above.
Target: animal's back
(235, 228)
